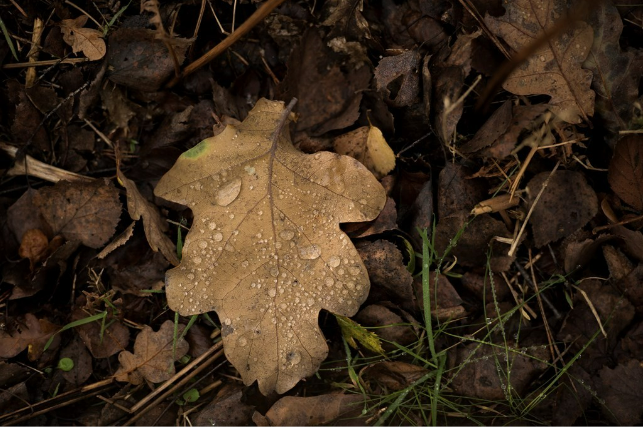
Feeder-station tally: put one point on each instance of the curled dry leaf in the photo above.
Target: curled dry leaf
(555, 69)
(153, 224)
(367, 144)
(86, 40)
(265, 249)
(626, 171)
(154, 355)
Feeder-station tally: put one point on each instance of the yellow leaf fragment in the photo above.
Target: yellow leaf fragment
(367, 144)
(86, 40)
(352, 331)
(265, 250)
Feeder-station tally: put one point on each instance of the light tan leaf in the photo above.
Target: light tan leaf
(86, 40)
(153, 224)
(154, 355)
(555, 69)
(265, 249)
(367, 144)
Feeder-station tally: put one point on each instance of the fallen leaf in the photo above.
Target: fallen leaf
(114, 338)
(391, 327)
(566, 205)
(311, 411)
(25, 332)
(82, 369)
(394, 375)
(154, 226)
(626, 171)
(555, 69)
(367, 144)
(621, 388)
(404, 65)
(33, 246)
(352, 331)
(230, 411)
(86, 40)
(154, 355)
(265, 249)
(83, 211)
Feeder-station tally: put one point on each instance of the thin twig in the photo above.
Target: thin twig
(249, 24)
(531, 210)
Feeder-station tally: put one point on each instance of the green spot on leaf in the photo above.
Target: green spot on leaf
(196, 151)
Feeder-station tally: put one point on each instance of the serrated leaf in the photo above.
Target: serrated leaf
(265, 250)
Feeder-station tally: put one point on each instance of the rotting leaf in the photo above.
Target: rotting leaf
(555, 69)
(83, 211)
(626, 171)
(154, 355)
(86, 40)
(265, 249)
(23, 332)
(153, 224)
(311, 411)
(367, 144)
(404, 65)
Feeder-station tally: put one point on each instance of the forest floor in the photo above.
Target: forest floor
(496, 210)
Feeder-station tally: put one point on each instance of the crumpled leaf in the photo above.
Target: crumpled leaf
(154, 355)
(555, 69)
(265, 249)
(86, 40)
(404, 65)
(84, 211)
(367, 144)
(154, 226)
(626, 171)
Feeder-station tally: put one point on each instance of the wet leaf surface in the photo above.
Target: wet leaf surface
(626, 171)
(265, 248)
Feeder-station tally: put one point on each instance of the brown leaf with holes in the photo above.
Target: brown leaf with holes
(404, 66)
(265, 249)
(154, 355)
(555, 69)
(626, 171)
(86, 40)
(84, 211)
(154, 226)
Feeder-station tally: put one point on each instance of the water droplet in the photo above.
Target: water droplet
(244, 264)
(309, 252)
(249, 169)
(203, 244)
(362, 201)
(354, 270)
(231, 216)
(228, 193)
(272, 292)
(329, 281)
(218, 237)
(190, 276)
(274, 272)
(293, 358)
(212, 225)
(334, 261)
(287, 234)
(227, 321)
(242, 341)
(197, 260)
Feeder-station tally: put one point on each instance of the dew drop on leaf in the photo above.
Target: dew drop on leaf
(309, 252)
(229, 192)
(287, 234)
(334, 261)
(217, 237)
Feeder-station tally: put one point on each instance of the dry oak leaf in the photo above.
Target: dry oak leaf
(83, 211)
(626, 171)
(86, 40)
(154, 355)
(153, 224)
(367, 144)
(555, 69)
(265, 249)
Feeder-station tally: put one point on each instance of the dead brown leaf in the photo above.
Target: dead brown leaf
(555, 69)
(394, 375)
(567, 204)
(310, 411)
(626, 171)
(26, 332)
(367, 144)
(77, 352)
(265, 250)
(113, 339)
(86, 40)
(154, 226)
(622, 388)
(404, 65)
(154, 355)
(83, 211)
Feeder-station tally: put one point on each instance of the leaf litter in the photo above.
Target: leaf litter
(533, 325)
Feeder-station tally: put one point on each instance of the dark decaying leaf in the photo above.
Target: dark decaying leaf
(154, 355)
(229, 411)
(405, 67)
(566, 205)
(626, 170)
(82, 370)
(394, 375)
(23, 332)
(87, 212)
(113, 339)
(622, 388)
